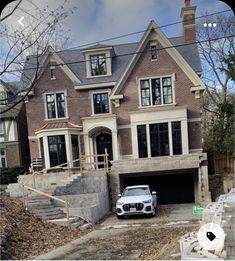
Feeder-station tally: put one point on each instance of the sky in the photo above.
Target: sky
(95, 20)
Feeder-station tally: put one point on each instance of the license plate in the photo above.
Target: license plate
(132, 209)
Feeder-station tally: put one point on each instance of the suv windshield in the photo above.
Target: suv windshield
(135, 192)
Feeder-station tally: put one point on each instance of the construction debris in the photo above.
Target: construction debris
(222, 213)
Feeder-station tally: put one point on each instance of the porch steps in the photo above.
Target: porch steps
(61, 180)
(86, 194)
(42, 207)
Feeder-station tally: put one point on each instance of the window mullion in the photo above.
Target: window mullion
(170, 138)
(56, 111)
(148, 141)
(150, 90)
(161, 88)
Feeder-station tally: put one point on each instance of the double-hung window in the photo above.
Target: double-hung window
(101, 103)
(98, 64)
(153, 50)
(156, 91)
(55, 104)
(3, 163)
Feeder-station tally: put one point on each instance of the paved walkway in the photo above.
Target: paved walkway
(123, 239)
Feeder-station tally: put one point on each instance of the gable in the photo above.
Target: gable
(154, 33)
(44, 60)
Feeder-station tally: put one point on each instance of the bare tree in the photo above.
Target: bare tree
(218, 75)
(43, 28)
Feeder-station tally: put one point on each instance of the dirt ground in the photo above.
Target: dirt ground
(24, 236)
(143, 243)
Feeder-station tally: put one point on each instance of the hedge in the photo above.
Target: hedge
(9, 175)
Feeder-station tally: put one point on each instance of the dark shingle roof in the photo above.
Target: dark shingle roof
(12, 113)
(96, 46)
(119, 63)
(123, 52)
(10, 86)
(189, 52)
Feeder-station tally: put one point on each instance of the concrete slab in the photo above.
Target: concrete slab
(166, 214)
(109, 240)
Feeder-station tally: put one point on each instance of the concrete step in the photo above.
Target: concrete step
(38, 202)
(74, 221)
(43, 207)
(46, 211)
(46, 200)
(50, 216)
(31, 206)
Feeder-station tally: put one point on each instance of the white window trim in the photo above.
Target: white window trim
(170, 138)
(150, 82)
(154, 117)
(153, 43)
(91, 93)
(65, 105)
(108, 63)
(68, 146)
(53, 68)
(2, 128)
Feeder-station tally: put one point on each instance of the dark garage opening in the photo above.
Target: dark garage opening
(171, 189)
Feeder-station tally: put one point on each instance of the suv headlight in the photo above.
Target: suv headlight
(119, 203)
(147, 201)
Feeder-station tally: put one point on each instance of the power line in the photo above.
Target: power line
(120, 55)
(142, 31)
(138, 32)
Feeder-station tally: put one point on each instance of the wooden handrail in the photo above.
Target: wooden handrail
(95, 155)
(65, 202)
(68, 163)
(44, 194)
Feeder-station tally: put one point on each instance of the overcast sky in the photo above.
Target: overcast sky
(95, 20)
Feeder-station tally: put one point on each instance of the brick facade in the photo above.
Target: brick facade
(13, 155)
(79, 102)
(120, 124)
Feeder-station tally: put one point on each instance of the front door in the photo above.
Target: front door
(104, 140)
(57, 150)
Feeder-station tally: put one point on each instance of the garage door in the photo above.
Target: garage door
(171, 189)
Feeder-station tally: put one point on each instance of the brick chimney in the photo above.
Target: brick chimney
(188, 19)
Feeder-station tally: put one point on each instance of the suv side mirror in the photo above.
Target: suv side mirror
(119, 195)
(154, 193)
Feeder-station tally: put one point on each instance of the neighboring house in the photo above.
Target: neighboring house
(141, 101)
(14, 148)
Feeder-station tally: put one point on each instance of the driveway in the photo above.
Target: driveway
(133, 238)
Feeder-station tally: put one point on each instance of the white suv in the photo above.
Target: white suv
(136, 200)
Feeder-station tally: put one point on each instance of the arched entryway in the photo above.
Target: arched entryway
(104, 141)
(101, 138)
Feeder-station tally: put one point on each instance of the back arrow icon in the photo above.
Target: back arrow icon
(19, 21)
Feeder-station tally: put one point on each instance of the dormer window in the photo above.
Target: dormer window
(53, 75)
(98, 64)
(98, 61)
(153, 50)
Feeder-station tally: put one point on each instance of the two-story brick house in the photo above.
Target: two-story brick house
(14, 148)
(141, 101)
